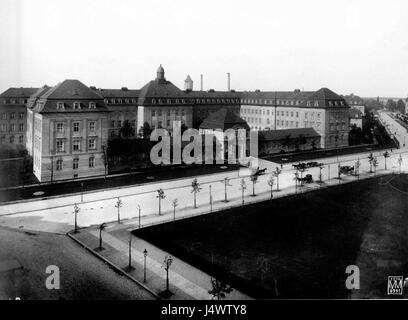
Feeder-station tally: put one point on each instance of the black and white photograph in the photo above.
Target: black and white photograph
(203, 154)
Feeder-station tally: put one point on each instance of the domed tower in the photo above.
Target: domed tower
(188, 84)
(160, 73)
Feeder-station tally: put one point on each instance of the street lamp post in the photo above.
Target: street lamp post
(144, 269)
(138, 207)
(76, 211)
(211, 200)
(130, 252)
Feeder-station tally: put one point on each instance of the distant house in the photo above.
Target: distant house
(356, 102)
(288, 140)
(356, 118)
(217, 123)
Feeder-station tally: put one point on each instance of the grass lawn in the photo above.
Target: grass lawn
(299, 247)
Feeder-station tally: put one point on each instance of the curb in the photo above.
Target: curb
(113, 266)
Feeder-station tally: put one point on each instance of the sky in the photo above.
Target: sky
(357, 46)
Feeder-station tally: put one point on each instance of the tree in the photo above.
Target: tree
(76, 211)
(118, 205)
(219, 289)
(101, 228)
(105, 158)
(296, 178)
(400, 162)
(160, 196)
(391, 105)
(277, 172)
(321, 167)
(145, 131)
(168, 260)
(386, 155)
(254, 180)
(174, 204)
(357, 168)
(400, 107)
(375, 164)
(195, 189)
(370, 161)
(226, 182)
(271, 182)
(126, 131)
(243, 188)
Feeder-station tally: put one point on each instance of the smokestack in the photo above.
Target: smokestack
(229, 81)
(201, 82)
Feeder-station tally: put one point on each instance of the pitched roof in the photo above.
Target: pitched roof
(68, 92)
(118, 93)
(71, 89)
(276, 135)
(355, 113)
(18, 92)
(224, 119)
(321, 98)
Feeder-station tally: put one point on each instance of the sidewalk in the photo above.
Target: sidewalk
(186, 281)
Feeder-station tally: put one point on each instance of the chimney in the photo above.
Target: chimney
(201, 83)
(229, 81)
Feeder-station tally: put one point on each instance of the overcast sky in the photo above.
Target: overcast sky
(348, 46)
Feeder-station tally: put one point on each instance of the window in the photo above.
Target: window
(75, 163)
(3, 139)
(60, 127)
(120, 123)
(12, 115)
(59, 165)
(76, 105)
(12, 127)
(76, 126)
(91, 144)
(60, 146)
(91, 162)
(11, 139)
(4, 116)
(21, 139)
(92, 105)
(60, 106)
(21, 127)
(76, 145)
(92, 126)
(3, 127)
(112, 123)
(21, 115)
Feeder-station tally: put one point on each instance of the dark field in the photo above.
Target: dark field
(300, 247)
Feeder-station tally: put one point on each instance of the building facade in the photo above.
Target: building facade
(13, 117)
(323, 110)
(66, 127)
(69, 132)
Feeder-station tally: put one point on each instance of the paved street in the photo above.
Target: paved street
(56, 214)
(82, 276)
(395, 128)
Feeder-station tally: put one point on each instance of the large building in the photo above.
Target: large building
(13, 117)
(67, 131)
(66, 127)
(323, 110)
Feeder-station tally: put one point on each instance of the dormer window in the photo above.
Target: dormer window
(60, 105)
(76, 105)
(92, 105)
(316, 103)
